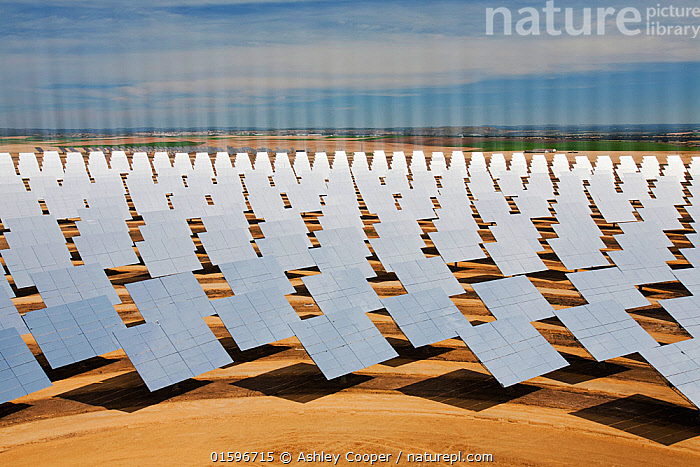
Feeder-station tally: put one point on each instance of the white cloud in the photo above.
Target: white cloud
(402, 62)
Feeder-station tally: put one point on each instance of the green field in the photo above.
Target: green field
(631, 146)
(491, 145)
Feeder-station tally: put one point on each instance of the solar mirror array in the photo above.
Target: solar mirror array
(369, 206)
(256, 318)
(425, 317)
(77, 331)
(20, 373)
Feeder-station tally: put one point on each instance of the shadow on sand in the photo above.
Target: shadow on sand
(466, 389)
(8, 408)
(128, 393)
(301, 382)
(242, 356)
(582, 369)
(73, 369)
(647, 417)
(409, 354)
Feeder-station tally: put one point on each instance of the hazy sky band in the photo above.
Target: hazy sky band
(111, 64)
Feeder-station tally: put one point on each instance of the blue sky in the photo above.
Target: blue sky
(295, 64)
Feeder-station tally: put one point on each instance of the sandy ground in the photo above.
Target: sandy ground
(437, 399)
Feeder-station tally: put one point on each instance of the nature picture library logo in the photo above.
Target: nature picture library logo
(657, 20)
